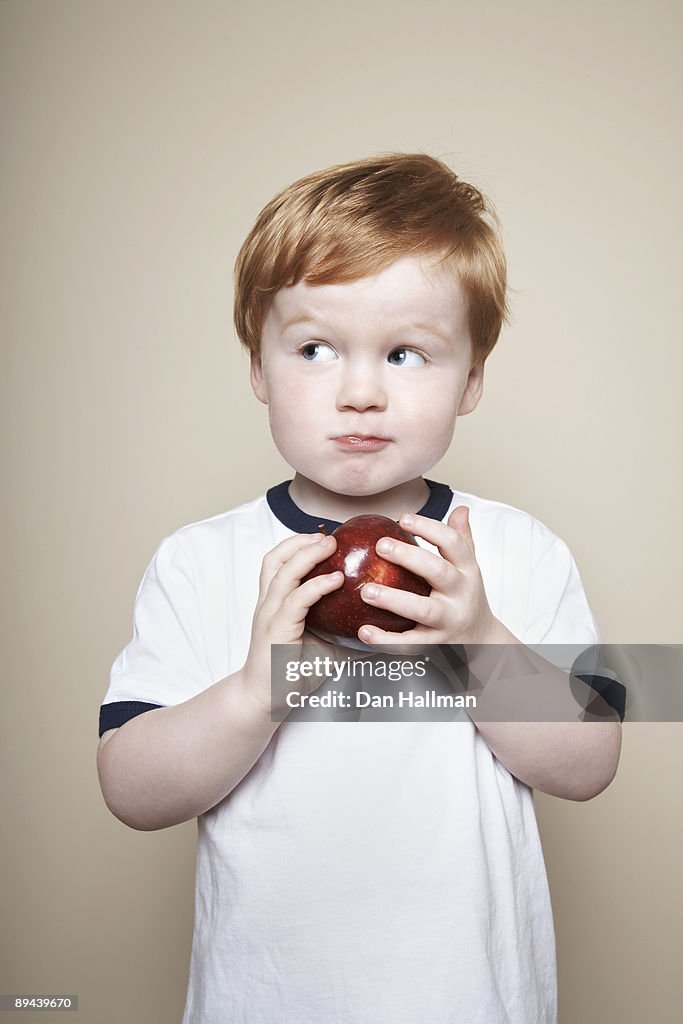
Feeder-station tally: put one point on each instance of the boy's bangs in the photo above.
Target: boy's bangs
(341, 260)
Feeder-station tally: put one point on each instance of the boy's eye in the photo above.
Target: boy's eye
(318, 352)
(406, 357)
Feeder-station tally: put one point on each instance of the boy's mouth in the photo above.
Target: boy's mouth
(360, 442)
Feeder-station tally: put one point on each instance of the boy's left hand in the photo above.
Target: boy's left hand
(457, 610)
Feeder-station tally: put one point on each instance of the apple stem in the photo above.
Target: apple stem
(323, 529)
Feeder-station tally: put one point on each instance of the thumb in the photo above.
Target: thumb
(459, 520)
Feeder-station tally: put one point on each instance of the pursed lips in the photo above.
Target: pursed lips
(361, 442)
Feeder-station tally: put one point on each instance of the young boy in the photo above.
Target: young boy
(355, 873)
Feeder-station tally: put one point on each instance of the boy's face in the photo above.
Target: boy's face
(364, 380)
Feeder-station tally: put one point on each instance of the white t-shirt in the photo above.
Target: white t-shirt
(361, 872)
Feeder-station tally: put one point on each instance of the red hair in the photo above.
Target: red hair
(353, 220)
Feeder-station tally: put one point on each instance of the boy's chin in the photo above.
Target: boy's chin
(360, 491)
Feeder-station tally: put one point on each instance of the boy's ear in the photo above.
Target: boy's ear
(258, 384)
(473, 390)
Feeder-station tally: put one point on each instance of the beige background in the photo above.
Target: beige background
(140, 139)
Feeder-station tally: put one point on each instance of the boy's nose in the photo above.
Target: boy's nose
(361, 389)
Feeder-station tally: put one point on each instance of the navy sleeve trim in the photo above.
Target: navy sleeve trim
(116, 714)
(611, 690)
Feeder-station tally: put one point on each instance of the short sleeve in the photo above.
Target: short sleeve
(561, 623)
(165, 663)
(558, 611)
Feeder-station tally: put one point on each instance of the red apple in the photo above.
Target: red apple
(342, 612)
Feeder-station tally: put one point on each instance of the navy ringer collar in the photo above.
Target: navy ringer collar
(291, 516)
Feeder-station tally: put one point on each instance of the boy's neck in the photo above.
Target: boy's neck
(317, 501)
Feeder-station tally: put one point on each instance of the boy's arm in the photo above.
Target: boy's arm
(573, 760)
(571, 749)
(173, 763)
(556, 751)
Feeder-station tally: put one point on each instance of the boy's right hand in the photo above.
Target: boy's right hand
(283, 605)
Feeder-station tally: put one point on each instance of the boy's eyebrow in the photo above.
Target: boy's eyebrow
(302, 318)
(432, 329)
(306, 318)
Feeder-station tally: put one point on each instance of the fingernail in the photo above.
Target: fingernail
(407, 519)
(385, 547)
(371, 591)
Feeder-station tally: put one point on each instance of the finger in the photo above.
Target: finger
(301, 561)
(459, 520)
(423, 610)
(298, 603)
(451, 543)
(382, 639)
(282, 552)
(286, 619)
(438, 571)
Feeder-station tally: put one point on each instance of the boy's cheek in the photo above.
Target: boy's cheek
(301, 401)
